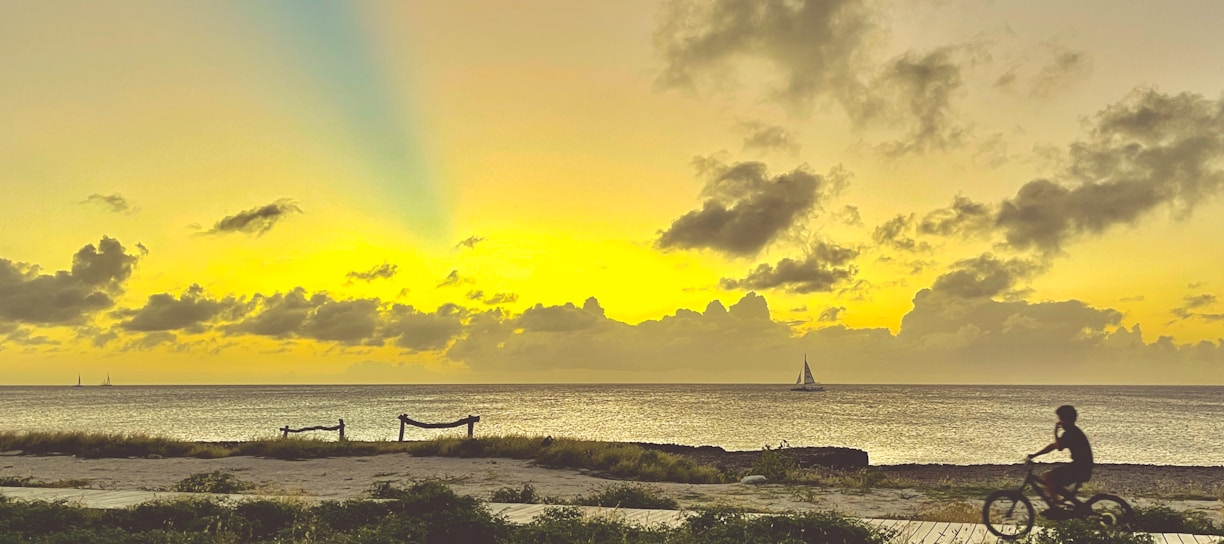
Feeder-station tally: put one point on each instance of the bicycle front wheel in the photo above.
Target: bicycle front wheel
(1008, 514)
(1110, 510)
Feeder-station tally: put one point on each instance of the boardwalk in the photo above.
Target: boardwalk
(908, 532)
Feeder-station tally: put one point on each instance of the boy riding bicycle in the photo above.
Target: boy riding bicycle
(1080, 470)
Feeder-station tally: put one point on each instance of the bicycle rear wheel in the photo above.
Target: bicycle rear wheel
(1008, 514)
(1111, 510)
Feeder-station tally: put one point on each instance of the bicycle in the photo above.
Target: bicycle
(1009, 514)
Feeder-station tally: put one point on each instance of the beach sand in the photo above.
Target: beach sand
(352, 477)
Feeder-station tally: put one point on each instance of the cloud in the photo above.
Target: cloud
(1195, 302)
(831, 314)
(150, 341)
(1147, 151)
(763, 138)
(498, 298)
(383, 271)
(985, 277)
(923, 86)
(258, 220)
(163, 312)
(454, 279)
(745, 208)
(895, 233)
(815, 45)
(66, 297)
(115, 202)
(849, 216)
(420, 331)
(825, 266)
(962, 218)
(469, 242)
(318, 317)
(1064, 69)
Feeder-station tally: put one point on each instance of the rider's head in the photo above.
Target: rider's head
(1066, 414)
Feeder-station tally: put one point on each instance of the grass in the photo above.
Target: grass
(618, 460)
(426, 513)
(27, 481)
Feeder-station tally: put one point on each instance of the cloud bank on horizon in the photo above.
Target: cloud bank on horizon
(903, 205)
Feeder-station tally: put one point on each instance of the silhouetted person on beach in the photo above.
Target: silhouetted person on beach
(1072, 438)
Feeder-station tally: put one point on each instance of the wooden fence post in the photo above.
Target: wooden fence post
(471, 424)
(342, 430)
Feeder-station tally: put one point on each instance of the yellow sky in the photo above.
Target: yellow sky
(445, 185)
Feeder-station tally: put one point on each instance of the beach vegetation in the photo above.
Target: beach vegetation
(1080, 531)
(526, 494)
(620, 460)
(629, 496)
(426, 512)
(1162, 519)
(859, 480)
(776, 465)
(217, 481)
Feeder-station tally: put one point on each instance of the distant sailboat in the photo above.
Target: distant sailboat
(806, 382)
(78, 381)
(107, 383)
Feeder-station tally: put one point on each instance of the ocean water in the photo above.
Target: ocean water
(893, 423)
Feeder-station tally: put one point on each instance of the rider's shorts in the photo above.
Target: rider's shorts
(1068, 474)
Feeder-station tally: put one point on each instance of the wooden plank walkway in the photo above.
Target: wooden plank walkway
(908, 532)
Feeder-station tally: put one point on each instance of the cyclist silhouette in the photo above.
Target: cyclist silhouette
(1080, 470)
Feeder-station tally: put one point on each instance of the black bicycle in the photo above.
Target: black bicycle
(1009, 514)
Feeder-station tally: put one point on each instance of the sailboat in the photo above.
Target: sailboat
(78, 381)
(107, 383)
(806, 382)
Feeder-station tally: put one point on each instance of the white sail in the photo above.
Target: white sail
(807, 374)
(806, 382)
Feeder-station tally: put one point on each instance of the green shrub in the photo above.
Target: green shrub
(733, 526)
(565, 525)
(629, 496)
(775, 465)
(217, 481)
(524, 495)
(1084, 532)
(1162, 519)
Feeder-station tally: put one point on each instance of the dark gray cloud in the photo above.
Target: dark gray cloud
(189, 312)
(745, 208)
(258, 220)
(115, 202)
(826, 266)
(1150, 150)
(816, 45)
(762, 137)
(65, 297)
(469, 242)
(151, 341)
(454, 279)
(831, 314)
(985, 277)
(495, 299)
(318, 317)
(350, 322)
(422, 331)
(1191, 303)
(897, 233)
(381, 272)
(923, 86)
(964, 217)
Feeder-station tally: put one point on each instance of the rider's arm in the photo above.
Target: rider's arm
(1053, 446)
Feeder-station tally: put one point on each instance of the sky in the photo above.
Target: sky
(940, 191)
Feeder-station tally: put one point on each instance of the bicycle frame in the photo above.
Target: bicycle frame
(1069, 493)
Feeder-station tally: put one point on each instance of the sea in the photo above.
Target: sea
(894, 424)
